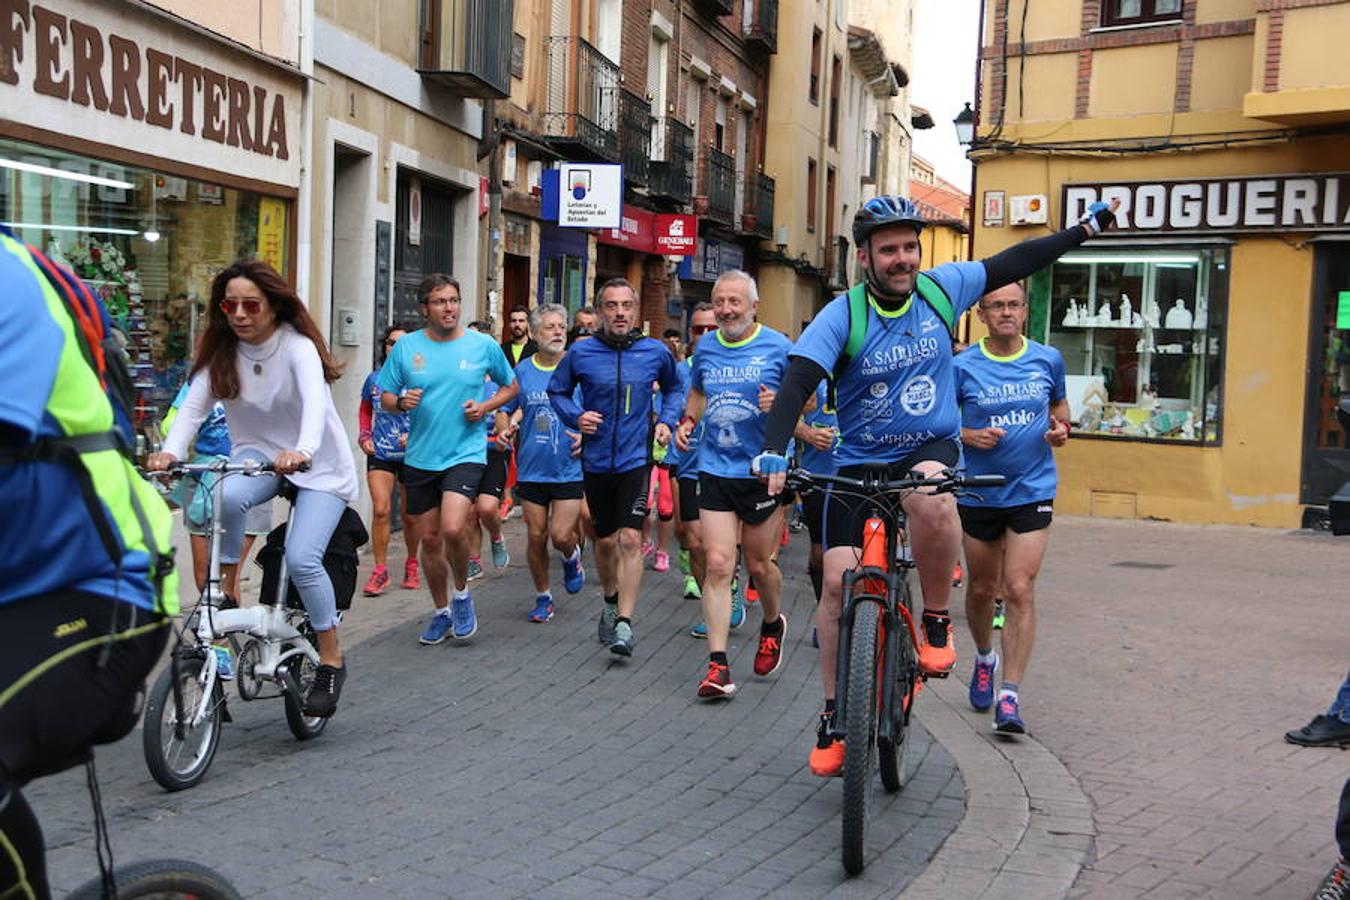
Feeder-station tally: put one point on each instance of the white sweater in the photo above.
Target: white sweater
(288, 406)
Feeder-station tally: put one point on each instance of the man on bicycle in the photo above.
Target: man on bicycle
(734, 375)
(896, 405)
(85, 594)
(1013, 411)
(616, 370)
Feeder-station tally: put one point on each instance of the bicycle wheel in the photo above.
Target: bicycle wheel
(180, 763)
(162, 878)
(896, 765)
(302, 726)
(860, 728)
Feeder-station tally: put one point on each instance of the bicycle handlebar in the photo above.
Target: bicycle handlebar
(944, 482)
(218, 466)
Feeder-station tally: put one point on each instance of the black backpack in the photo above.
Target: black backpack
(339, 560)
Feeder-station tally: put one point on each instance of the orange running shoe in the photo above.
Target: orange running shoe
(716, 685)
(827, 756)
(937, 652)
(769, 656)
(411, 579)
(958, 577)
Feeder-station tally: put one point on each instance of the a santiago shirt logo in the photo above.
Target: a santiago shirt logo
(900, 356)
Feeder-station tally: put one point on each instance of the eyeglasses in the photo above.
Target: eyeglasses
(1002, 305)
(702, 329)
(251, 307)
(441, 301)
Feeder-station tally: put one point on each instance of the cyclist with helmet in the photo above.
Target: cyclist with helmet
(895, 397)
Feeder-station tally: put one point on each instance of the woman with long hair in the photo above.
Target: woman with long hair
(384, 439)
(263, 359)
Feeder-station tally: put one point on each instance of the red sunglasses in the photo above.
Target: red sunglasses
(702, 329)
(251, 307)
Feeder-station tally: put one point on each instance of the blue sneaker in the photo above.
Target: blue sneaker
(475, 569)
(436, 629)
(982, 685)
(737, 611)
(462, 617)
(699, 630)
(1007, 718)
(500, 558)
(543, 609)
(608, 617)
(623, 640)
(224, 663)
(574, 574)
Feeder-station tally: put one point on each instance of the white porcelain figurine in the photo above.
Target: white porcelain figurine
(1179, 316)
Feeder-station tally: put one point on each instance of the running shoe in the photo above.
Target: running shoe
(622, 645)
(769, 656)
(324, 693)
(500, 558)
(574, 574)
(543, 609)
(661, 563)
(699, 629)
(737, 612)
(982, 685)
(998, 615)
(691, 588)
(224, 663)
(685, 566)
(716, 685)
(937, 653)
(752, 595)
(412, 579)
(475, 569)
(736, 591)
(462, 617)
(608, 615)
(437, 628)
(1007, 717)
(647, 549)
(378, 583)
(827, 756)
(504, 509)
(958, 577)
(1336, 886)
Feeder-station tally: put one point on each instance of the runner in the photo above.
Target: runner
(436, 375)
(550, 486)
(487, 512)
(615, 370)
(896, 401)
(520, 345)
(685, 465)
(1013, 411)
(734, 377)
(817, 435)
(384, 439)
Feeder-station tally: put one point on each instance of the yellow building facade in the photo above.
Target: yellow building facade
(1200, 338)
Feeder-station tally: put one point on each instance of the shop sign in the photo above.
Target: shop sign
(1306, 202)
(591, 195)
(119, 76)
(635, 231)
(710, 259)
(676, 234)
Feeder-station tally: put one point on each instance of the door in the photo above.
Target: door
(516, 281)
(1326, 451)
(423, 238)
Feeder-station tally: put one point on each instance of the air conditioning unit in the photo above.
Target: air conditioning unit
(1028, 209)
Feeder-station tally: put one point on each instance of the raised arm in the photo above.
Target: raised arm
(1028, 257)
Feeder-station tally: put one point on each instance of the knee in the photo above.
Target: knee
(720, 564)
(379, 510)
(1020, 591)
(304, 562)
(629, 540)
(562, 541)
(759, 569)
(432, 545)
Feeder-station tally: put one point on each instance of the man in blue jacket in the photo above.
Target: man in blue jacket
(616, 372)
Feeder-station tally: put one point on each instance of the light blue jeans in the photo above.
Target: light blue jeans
(1340, 707)
(316, 516)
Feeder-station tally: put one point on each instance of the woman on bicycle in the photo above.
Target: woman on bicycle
(263, 359)
(384, 438)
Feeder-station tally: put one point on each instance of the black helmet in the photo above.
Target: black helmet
(883, 211)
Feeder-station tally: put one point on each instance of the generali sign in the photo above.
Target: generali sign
(118, 75)
(1307, 202)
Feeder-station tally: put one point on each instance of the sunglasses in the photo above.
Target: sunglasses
(251, 307)
(702, 329)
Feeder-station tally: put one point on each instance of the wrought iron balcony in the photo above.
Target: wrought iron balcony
(635, 137)
(715, 7)
(672, 169)
(719, 180)
(759, 206)
(761, 31)
(581, 114)
(468, 47)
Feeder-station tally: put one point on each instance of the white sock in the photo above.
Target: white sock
(576, 554)
(546, 595)
(460, 595)
(444, 611)
(1008, 692)
(986, 658)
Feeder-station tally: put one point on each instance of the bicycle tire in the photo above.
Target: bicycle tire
(158, 740)
(896, 761)
(305, 728)
(162, 878)
(860, 731)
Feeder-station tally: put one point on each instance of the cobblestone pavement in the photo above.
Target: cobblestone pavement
(528, 762)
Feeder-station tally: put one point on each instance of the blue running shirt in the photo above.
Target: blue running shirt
(1013, 393)
(685, 464)
(545, 450)
(450, 373)
(213, 437)
(813, 460)
(387, 429)
(729, 375)
(896, 393)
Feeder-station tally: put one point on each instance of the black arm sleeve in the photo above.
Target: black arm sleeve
(799, 383)
(1021, 260)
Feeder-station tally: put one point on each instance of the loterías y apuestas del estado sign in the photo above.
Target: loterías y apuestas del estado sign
(1300, 202)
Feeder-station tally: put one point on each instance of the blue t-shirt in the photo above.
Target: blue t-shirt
(685, 463)
(897, 393)
(1014, 393)
(821, 462)
(450, 374)
(729, 376)
(213, 437)
(387, 429)
(544, 453)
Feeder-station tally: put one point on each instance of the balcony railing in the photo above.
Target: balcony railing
(761, 202)
(581, 114)
(635, 137)
(672, 169)
(719, 179)
(761, 26)
(715, 7)
(468, 47)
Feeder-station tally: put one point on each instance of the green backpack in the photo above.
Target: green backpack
(927, 289)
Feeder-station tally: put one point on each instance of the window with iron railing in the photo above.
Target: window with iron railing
(814, 90)
(764, 190)
(582, 102)
(672, 173)
(720, 182)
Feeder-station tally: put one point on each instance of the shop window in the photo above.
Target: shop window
(1142, 334)
(147, 242)
(1135, 12)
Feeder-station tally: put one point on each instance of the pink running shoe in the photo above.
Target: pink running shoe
(662, 562)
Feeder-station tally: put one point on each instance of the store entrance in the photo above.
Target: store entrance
(423, 238)
(1326, 445)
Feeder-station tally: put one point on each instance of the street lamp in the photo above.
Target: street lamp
(965, 126)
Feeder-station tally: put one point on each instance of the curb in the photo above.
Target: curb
(1028, 829)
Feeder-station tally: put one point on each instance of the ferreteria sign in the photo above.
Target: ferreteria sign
(122, 76)
(1308, 202)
